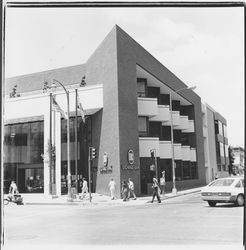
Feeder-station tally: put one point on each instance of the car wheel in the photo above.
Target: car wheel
(240, 200)
(212, 203)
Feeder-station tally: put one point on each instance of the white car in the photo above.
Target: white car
(224, 190)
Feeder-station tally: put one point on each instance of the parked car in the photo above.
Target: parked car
(224, 190)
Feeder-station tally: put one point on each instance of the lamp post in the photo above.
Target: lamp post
(174, 189)
(69, 195)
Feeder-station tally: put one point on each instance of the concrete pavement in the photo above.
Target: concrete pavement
(97, 199)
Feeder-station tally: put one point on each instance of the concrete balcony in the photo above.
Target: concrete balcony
(146, 144)
(177, 151)
(147, 106)
(193, 154)
(186, 154)
(176, 119)
(184, 123)
(165, 150)
(191, 128)
(163, 114)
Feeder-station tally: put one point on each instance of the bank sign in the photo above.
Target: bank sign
(131, 161)
(130, 156)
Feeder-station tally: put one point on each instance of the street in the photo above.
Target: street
(181, 220)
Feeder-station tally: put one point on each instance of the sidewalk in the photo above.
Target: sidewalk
(98, 199)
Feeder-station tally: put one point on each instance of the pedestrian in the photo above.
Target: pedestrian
(13, 189)
(163, 183)
(84, 189)
(125, 190)
(112, 186)
(155, 187)
(216, 176)
(131, 189)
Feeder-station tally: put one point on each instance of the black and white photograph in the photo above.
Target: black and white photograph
(123, 125)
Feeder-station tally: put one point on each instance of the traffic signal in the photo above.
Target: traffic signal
(152, 155)
(93, 153)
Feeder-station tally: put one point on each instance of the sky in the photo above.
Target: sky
(201, 46)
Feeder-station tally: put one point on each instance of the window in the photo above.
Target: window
(154, 92)
(226, 151)
(186, 170)
(176, 136)
(225, 130)
(164, 99)
(155, 129)
(142, 126)
(225, 182)
(220, 128)
(178, 170)
(222, 153)
(166, 133)
(239, 184)
(141, 87)
(193, 170)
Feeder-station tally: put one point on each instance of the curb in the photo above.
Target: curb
(75, 203)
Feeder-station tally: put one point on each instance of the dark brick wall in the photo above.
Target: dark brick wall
(101, 68)
(128, 111)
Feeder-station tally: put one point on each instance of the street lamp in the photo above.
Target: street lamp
(69, 195)
(174, 190)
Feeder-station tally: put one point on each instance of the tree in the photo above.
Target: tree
(231, 160)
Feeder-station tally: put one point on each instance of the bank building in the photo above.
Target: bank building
(138, 116)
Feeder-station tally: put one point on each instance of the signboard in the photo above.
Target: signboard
(152, 167)
(130, 167)
(130, 156)
(105, 159)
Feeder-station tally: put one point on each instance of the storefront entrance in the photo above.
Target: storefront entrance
(30, 179)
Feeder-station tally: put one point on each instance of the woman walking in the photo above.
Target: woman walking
(155, 187)
(112, 186)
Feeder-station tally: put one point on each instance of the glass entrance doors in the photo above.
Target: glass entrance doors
(30, 180)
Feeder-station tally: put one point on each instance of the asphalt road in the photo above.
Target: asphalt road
(185, 220)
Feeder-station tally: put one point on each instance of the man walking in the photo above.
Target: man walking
(155, 190)
(112, 186)
(84, 188)
(131, 189)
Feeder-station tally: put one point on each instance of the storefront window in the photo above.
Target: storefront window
(186, 170)
(194, 170)
(23, 146)
(178, 170)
